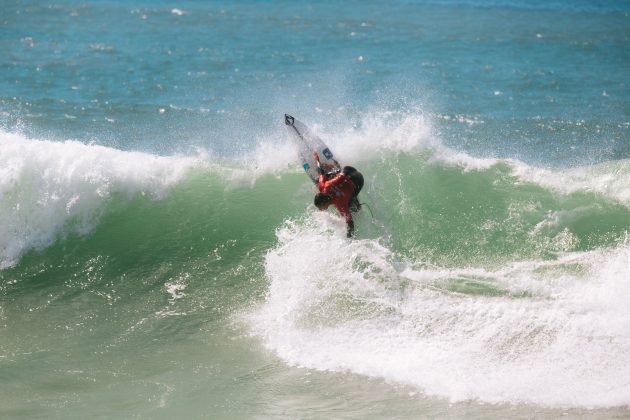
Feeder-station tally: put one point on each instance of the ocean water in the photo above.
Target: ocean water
(160, 256)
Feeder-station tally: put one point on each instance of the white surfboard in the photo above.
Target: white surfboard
(307, 143)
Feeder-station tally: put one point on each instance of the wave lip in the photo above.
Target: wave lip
(48, 189)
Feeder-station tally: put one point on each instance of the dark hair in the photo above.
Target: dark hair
(321, 198)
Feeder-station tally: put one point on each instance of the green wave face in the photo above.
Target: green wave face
(425, 211)
(451, 216)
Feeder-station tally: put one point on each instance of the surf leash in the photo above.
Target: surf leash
(367, 205)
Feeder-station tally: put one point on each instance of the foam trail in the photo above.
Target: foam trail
(51, 188)
(551, 335)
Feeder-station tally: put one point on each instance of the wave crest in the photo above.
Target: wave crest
(53, 188)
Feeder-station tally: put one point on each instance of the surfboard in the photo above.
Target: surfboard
(307, 143)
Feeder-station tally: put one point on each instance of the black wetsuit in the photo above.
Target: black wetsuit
(357, 179)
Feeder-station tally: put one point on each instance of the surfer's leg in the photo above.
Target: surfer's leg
(348, 170)
(355, 176)
(354, 204)
(357, 179)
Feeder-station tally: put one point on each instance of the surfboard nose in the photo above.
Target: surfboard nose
(288, 120)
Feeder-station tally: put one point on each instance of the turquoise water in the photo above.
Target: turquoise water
(159, 256)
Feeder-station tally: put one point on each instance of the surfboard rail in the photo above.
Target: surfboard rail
(308, 143)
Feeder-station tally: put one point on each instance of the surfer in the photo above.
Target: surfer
(341, 189)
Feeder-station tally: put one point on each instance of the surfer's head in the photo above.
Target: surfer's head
(322, 201)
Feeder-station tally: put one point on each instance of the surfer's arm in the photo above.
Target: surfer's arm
(324, 182)
(321, 182)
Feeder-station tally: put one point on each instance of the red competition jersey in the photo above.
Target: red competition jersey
(340, 188)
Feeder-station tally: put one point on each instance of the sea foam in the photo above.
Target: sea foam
(547, 332)
(554, 336)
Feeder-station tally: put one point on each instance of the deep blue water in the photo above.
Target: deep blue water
(542, 77)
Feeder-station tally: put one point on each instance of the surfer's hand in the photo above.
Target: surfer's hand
(319, 166)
